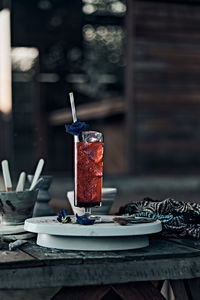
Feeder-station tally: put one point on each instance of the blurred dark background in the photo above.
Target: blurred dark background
(134, 68)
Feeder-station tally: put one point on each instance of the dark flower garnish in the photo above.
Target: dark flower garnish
(62, 216)
(121, 221)
(84, 220)
(76, 127)
(132, 220)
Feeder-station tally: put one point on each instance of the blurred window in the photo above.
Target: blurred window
(103, 38)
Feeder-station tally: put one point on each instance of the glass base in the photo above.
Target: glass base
(88, 214)
(88, 204)
(88, 211)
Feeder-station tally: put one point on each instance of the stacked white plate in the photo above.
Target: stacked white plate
(108, 197)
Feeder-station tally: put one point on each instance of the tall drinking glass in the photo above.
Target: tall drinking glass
(88, 170)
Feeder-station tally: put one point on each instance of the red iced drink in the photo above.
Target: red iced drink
(88, 173)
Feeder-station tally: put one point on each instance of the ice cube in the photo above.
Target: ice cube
(92, 136)
(93, 151)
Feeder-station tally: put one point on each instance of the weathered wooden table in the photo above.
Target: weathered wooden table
(100, 275)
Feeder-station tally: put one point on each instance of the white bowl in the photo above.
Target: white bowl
(108, 197)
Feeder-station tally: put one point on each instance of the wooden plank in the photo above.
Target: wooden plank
(158, 248)
(165, 46)
(177, 15)
(82, 293)
(136, 291)
(165, 10)
(192, 243)
(51, 256)
(102, 273)
(162, 66)
(169, 37)
(29, 294)
(162, 260)
(129, 291)
(152, 85)
(166, 26)
(194, 288)
(165, 78)
(16, 258)
(169, 97)
(170, 51)
(169, 146)
(179, 289)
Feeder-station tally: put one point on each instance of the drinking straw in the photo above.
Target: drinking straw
(76, 140)
(21, 182)
(6, 175)
(37, 173)
(71, 96)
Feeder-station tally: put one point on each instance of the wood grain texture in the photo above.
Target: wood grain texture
(29, 294)
(130, 291)
(179, 290)
(194, 288)
(95, 274)
(192, 243)
(158, 249)
(39, 267)
(164, 71)
(16, 258)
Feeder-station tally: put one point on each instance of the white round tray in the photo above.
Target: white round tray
(97, 237)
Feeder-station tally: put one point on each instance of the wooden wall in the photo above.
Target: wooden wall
(163, 83)
(47, 26)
